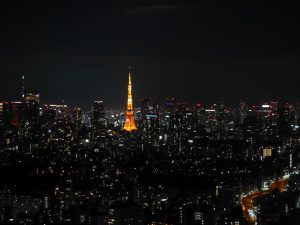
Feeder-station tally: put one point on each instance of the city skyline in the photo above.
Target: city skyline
(87, 105)
(156, 112)
(190, 51)
(172, 164)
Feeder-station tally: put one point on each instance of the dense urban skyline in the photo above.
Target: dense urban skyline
(149, 113)
(207, 52)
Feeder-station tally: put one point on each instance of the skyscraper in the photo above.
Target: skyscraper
(30, 117)
(99, 122)
(242, 113)
(150, 121)
(77, 120)
(129, 122)
(11, 121)
(1, 119)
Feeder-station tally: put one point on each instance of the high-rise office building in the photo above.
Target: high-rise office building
(1, 121)
(53, 113)
(267, 116)
(99, 122)
(30, 117)
(211, 121)
(242, 113)
(11, 121)
(150, 121)
(168, 111)
(77, 119)
(286, 117)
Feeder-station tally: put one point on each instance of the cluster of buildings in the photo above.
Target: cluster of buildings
(169, 163)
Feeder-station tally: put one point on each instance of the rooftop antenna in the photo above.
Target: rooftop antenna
(23, 86)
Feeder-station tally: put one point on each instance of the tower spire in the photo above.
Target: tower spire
(129, 123)
(129, 75)
(23, 86)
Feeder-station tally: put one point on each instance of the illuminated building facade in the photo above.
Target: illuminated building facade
(286, 117)
(150, 121)
(77, 120)
(30, 115)
(167, 112)
(129, 122)
(11, 120)
(1, 120)
(242, 112)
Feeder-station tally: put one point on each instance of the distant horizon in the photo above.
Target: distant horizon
(191, 50)
(160, 101)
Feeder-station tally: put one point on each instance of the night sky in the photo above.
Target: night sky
(199, 52)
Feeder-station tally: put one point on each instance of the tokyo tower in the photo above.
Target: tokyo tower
(129, 122)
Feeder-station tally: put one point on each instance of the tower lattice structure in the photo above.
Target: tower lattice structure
(129, 122)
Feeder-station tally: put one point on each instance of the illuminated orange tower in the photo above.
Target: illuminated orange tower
(129, 123)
